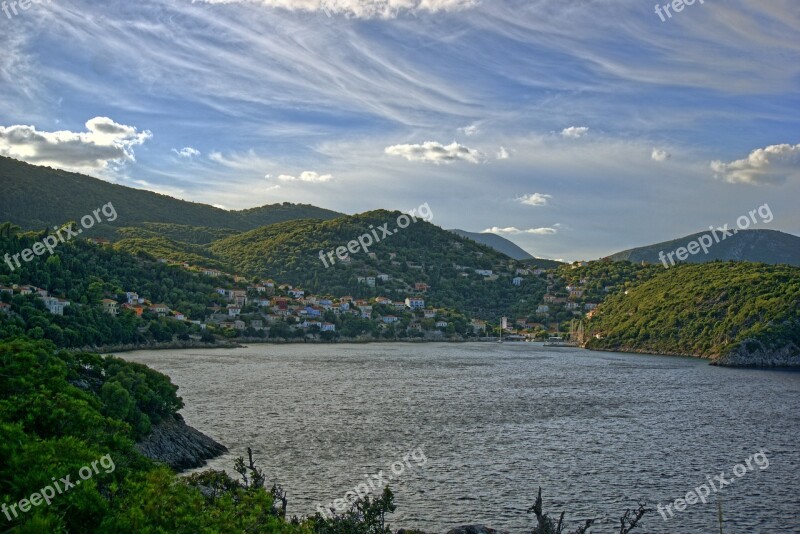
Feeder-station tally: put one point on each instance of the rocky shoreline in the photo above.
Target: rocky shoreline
(178, 445)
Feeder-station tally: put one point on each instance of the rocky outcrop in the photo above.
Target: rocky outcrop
(178, 445)
(753, 353)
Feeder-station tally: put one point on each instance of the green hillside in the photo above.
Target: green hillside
(732, 313)
(421, 253)
(37, 197)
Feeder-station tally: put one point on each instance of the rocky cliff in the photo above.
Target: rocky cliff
(178, 445)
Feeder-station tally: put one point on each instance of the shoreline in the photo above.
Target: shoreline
(721, 361)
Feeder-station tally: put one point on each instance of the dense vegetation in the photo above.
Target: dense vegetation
(704, 310)
(62, 196)
(421, 253)
(61, 412)
(84, 274)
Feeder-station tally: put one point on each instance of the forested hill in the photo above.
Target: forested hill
(420, 254)
(37, 197)
(734, 313)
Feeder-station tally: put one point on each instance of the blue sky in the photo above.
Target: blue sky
(576, 128)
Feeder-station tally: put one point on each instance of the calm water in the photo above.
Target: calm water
(597, 431)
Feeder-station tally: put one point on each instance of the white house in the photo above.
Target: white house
(517, 281)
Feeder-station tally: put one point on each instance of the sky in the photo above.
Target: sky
(575, 128)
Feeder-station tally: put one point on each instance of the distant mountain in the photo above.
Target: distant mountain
(762, 246)
(507, 247)
(500, 244)
(37, 197)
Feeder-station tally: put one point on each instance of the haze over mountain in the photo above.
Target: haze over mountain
(765, 246)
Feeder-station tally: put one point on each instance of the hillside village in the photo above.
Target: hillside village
(261, 308)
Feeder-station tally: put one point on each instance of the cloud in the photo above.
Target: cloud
(511, 230)
(307, 176)
(187, 152)
(660, 155)
(470, 130)
(535, 199)
(770, 165)
(432, 152)
(362, 9)
(105, 142)
(575, 132)
(503, 153)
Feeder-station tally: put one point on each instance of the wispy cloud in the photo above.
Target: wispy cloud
(535, 199)
(771, 165)
(437, 153)
(575, 132)
(307, 176)
(470, 130)
(511, 230)
(187, 152)
(660, 155)
(503, 153)
(362, 9)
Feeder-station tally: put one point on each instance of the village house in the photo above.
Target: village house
(328, 327)
(160, 309)
(54, 305)
(543, 309)
(415, 303)
(421, 287)
(483, 272)
(109, 306)
(429, 314)
(26, 290)
(390, 319)
(234, 310)
(441, 324)
(517, 281)
(384, 277)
